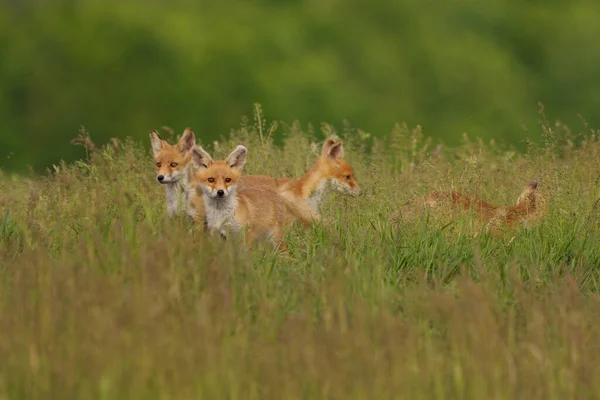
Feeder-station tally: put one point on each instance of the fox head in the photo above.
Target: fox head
(530, 196)
(172, 160)
(218, 179)
(336, 169)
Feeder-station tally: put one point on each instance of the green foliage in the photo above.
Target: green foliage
(122, 68)
(103, 296)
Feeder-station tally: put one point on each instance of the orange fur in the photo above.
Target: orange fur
(244, 182)
(530, 207)
(303, 195)
(306, 194)
(258, 209)
(172, 162)
(330, 171)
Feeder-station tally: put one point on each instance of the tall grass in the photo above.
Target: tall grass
(102, 296)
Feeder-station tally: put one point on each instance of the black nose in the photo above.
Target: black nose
(220, 192)
(160, 178)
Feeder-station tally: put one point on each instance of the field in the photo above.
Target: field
(102, 296)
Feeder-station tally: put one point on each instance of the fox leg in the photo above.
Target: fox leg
(278, 242)
(250, 239)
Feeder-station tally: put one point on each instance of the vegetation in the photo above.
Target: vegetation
(102, 296)
(123, 68)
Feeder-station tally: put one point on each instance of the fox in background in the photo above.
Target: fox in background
(530, 207)
(172, 170)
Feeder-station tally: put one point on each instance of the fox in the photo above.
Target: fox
(259, 210)
(329, 172)
(529, 208)
(172, 171)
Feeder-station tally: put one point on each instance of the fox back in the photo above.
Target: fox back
(329, 172)
(530, 207)
(330, 169)
(445, 204)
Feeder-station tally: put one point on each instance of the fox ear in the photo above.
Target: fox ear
(201, 158)
(326, 145)
(336, 151)
(156, 141)
(237, 158)
(533, 184)
(187, 141)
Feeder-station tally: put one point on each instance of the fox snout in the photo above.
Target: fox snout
(354, 189)
(164, 178)
(216, 192)
(345, 187)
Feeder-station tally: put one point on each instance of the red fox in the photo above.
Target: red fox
(530, 207)
(260, 209)
(172, 165)
(309, 192)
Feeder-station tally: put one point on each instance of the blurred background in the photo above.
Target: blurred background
(123, 67)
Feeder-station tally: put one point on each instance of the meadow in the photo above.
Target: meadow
(102, 296)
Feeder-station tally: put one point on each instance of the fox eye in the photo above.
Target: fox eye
(158, 164)
(227, 180)
(348, 177)
(173, 164)
(211, 180)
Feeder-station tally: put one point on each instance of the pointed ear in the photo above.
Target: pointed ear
(156, 141)
(237, 158)
(336, 151)
(201, 158)
(326, 145)
(533, 184)
(187, 141)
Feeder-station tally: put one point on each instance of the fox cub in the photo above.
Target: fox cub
(530, 207)
(172, 169)
(309, 192)
(258, 209)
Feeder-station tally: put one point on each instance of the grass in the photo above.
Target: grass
(102, 296)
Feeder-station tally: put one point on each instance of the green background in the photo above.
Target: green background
(122, 68)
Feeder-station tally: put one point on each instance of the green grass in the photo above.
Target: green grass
(102, 296)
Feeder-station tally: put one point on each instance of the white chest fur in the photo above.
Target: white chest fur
(177, 197)
(177, 194)
(318, 197)
(220, 214)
